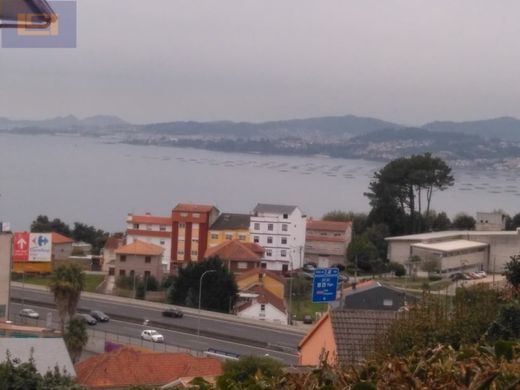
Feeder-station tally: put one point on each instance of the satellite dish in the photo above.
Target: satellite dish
(26, 14)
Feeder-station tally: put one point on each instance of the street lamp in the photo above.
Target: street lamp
(200, 298)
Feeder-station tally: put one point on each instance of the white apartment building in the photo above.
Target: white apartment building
(153, 229)
(280, 230)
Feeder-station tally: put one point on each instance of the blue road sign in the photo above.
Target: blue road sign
(325, 284)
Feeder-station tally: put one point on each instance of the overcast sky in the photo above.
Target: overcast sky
(158, 60)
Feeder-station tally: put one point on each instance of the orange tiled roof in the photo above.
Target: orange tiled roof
(256, 271)
(150, 219)
(193, 208)
(236, 250)
(126, 367)
(58, 238)
(264, 297)
(328, 225)
(140, 248)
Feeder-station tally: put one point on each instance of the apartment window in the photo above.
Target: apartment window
(242, 265)
(269, 240)
(242, 237)
(122, 258)
(268, 252)
(257, 226)
(180, 252)
(196, 215)
(270, 227)
(262, 307)
(148, 227)
(283, 253)
(323, 234)
(285, 216)
(214, 236)
(229, 236)
(184, 215)
(136, 226)
(161, 242)
(256, 239)
(122, 272)
(196, 240)
(337, 234)
(194, 253)
(182, 225)
(388, 302)
(195, 226)
(284, 240)
(285, 227)
(148, 259)
(263, 265)
(162, 228)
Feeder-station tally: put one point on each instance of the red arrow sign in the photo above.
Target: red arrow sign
(21, 246)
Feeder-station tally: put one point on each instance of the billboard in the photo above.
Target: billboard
(21, 246)
(40, 247)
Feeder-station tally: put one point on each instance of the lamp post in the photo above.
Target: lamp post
(200, 298)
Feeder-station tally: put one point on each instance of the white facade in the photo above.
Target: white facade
(264, 312)
(151, 229)
(280, 230)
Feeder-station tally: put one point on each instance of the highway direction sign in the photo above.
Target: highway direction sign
(325, 284)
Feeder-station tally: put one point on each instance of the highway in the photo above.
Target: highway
(218, 332)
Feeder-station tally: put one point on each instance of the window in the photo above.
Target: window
(256, 239)
(214, 236)
(196, 215)
(269, 240)
(161, 242)
(194, 240)
(184, 215)
(162, 228)
(194, 253)
(388, 302)
(262, 307)
(136, 226)
(284, 240)
(257, 226)
(148, 259)
(229, 236)
(122, 272)
(182, 225)
(337, 234)
(242, 265)
(263, 265)
(268, 252)
(122, 258)
(285, 267)
(242, 237)
(285, 227)
(270, 227)
(285, 216)
(148, 227)
(323, 234)
(283, 253)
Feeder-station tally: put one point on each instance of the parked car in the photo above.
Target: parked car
(152, 335)
(99, 316)
(307, 319)
(457, 276)
(309, 267)
(87, 318)
(29, 313)
(482, 274)
(173, 313)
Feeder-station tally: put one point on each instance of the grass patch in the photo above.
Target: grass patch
(417, 284)
(91, 281)
(303, 305)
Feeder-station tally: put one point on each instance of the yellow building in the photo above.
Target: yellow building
(269, 280)
(229, 227)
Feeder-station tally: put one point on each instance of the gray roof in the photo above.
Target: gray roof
(231, 221)
(46, 352)
(274, 208)
(357, 332)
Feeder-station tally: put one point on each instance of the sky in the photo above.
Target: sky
(409, 61)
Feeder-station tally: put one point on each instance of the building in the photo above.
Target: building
(238, 256)
(326, 242)
(127, 367)
(493, 221)
(61, 246)
(457, 250)
(281, 231)
(228, 227)
(345, 336)
(271, 281)
(153, 229)
(260, 304)
(109, 253)
(139, 259)
(190, 227)
(5, 274)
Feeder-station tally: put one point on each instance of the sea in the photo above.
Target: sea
(98, 181)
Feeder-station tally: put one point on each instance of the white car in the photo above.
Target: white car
(152, 335)
(29, 313)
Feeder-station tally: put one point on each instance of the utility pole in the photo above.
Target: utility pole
(200, 298)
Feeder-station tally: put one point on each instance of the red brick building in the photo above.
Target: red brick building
(190, 226)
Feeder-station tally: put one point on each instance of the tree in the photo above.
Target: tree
(363, 252)
(401, 187)
(95, 237)
(377, 234)
(430, 266)
(67, 283)
(359, 220)
(441, 222)
(463, 221)
(514, 223)
(512, 272)
(42, 224)
(76, 337)
(219, 288)
(245, 372)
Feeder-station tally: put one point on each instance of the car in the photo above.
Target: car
(309, 267)
(87, 318)
(307, 319)
(99, 316)
(152, 335)
(457, 276)
(29, 313)
(173, 313)
(482, 274)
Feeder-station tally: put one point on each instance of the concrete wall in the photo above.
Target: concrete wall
(5, 274)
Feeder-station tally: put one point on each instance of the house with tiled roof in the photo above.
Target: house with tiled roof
(140, 259)
(190, 227)
(238, 256)
(126, 367)
(345, 336)
(260, 304)
(271, 281)
(109, 252)
(227, 227)
(153, 229)
(326, 242)
(61, 246)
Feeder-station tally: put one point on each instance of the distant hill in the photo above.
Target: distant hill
(504, 127)
(64, 123)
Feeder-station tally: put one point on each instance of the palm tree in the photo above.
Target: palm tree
(67, 282)
(76, 337)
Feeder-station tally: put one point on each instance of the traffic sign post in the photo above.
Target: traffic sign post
(325, 285)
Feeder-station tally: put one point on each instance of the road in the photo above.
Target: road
(218, 333)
